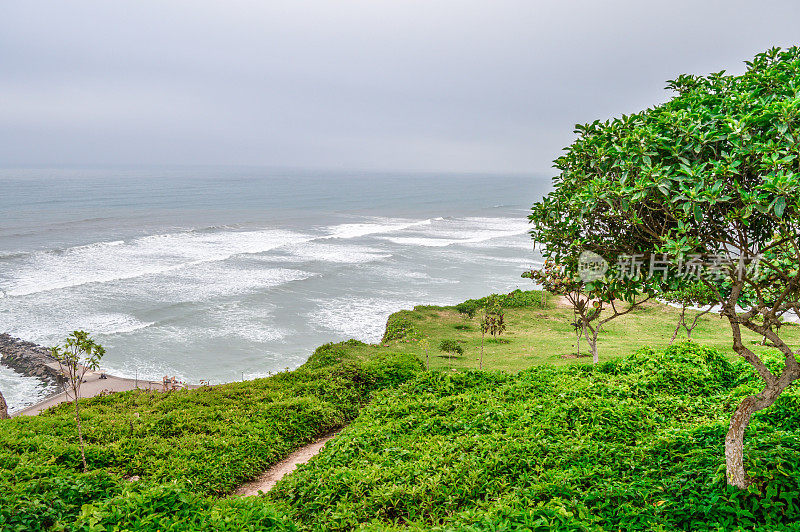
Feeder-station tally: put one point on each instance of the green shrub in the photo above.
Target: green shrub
(634, 444)
(515, 299)
(187, 447)
(399, 327)
(468, 308)
(332, 353)
(451, 346)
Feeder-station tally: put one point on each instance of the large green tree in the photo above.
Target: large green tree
(705, 187)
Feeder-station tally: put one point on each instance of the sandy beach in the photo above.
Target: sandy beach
(94, 385)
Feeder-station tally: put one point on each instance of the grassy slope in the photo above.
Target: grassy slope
(191, 447)
(634, 446)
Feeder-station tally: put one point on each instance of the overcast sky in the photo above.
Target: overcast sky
(463, 86)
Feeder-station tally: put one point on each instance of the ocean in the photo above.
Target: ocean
(223, 274)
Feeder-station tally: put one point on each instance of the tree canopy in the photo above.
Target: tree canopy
(703, 187)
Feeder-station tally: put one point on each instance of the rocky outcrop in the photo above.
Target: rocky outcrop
(3, 407)
(28, 358)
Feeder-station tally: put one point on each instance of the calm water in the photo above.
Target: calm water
(222, 273)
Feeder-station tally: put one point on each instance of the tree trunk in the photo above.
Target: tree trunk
(592, 342)
(3, 407)
(482, 336)
(80, 434)
(678, 327)
(734, 444)
(675, 334)
(734, 440)
(695, 321)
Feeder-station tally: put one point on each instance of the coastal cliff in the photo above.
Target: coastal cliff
(28, 358)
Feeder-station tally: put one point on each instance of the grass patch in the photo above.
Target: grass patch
(544, 335)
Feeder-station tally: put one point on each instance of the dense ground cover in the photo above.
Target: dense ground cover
(185, 447)
(635, 445)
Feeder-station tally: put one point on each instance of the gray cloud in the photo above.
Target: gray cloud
(391, 85)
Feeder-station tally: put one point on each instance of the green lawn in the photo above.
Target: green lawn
(537, 336)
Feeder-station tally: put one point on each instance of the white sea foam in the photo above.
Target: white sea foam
(208, 281)
(105, 262)
(112, 323)
(428, 242)
(50, 324)
(21, 391)
(459, 231)
(331, 251)
(235, 320)
(379, 226)
(360, 318)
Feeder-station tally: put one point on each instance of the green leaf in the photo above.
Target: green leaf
(698, 213)
(780, 206)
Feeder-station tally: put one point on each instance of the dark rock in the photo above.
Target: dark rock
(29, 359)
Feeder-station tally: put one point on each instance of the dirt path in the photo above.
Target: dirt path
(271, 476)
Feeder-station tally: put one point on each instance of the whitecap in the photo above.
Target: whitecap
(378, 226)
(21, 391)
(360, 318)
(105, 262)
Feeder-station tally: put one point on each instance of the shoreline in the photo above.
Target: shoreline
(32, 360)
(93, 385)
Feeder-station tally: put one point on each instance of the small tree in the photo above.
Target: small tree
(467, 309)
(3, 407)
(696, 294)
(78, 355)
(451, 347)
(425, 345)
(588, 299)
(492, 321)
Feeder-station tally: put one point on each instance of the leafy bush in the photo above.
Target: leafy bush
(399, 327)
(332, 353)
(451, 346)
(515, 299)
(632, 444)
(468, 308)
